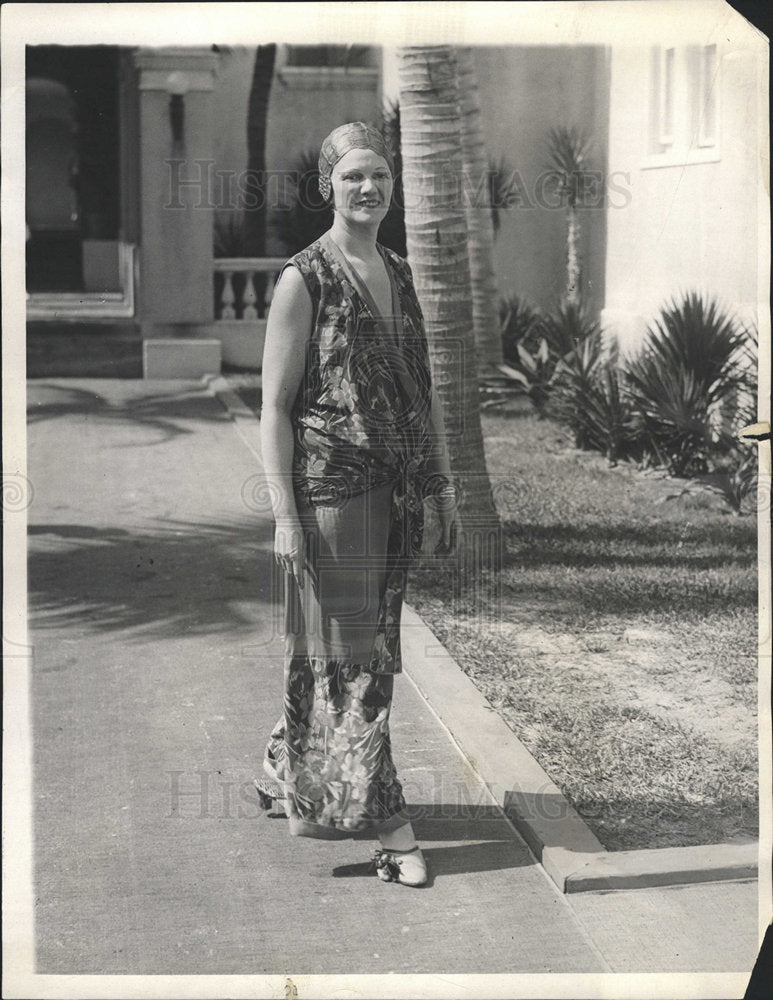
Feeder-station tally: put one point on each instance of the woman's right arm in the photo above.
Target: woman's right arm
(284, 358)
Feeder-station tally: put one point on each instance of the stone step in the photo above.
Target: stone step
(74, 350)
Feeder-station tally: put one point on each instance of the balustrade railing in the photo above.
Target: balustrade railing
(244, 286)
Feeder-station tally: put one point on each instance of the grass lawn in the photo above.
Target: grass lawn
(622, 649)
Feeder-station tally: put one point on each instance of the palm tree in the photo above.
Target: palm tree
(392, 231)
(567, 157)
(476, 193)
(436, 235)
(255, 180)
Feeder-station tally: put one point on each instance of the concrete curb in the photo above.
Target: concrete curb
(561, 841)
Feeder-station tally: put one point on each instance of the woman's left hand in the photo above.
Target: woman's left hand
(449, 525)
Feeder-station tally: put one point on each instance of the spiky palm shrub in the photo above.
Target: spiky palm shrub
(689, 366)
(586, 396)
(229, 237)
(734, 474)
(519, 323)
(528, 366)
(307, 216)
(739, 408)
(568, 326)
(533, 344)
(567, 150)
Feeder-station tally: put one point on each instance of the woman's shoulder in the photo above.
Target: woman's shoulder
(303, 258)
(312, 260)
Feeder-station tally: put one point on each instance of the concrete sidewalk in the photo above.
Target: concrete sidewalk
(157, 675)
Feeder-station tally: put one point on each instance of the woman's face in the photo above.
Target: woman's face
(362, 186)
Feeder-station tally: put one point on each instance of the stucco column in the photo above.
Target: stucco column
(176, 214)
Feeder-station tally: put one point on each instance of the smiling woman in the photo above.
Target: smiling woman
(352, 442)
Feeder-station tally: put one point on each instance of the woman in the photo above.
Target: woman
(352, 443)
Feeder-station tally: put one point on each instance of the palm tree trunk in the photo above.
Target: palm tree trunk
(255, 182)
(480, 227)
(573, 262)
(436, 235)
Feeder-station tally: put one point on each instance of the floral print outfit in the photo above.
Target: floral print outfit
(362, 451)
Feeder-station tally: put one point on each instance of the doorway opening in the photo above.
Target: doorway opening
(73, 182)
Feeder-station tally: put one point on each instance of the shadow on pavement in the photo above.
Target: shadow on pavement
(49, 401)
(185, 578)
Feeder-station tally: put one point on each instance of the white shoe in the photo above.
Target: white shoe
(406, 867)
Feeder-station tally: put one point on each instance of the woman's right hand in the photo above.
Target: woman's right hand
(289, 548)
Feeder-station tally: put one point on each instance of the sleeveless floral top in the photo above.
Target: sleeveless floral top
(361, 417)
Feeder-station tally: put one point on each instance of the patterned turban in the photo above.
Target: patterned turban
(354, 135)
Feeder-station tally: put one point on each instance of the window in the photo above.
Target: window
(684, 105)
(666, 96)
(707, 96)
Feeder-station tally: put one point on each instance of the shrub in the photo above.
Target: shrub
(519, 323)
(689, 367)
(568, 326)
(533, 344)
(229, 235)
(307, 216)
(733, 462)
(528, 366)
(586, 396)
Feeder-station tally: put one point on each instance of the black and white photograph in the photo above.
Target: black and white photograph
(386, 500)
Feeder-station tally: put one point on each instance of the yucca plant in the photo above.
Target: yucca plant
(586, 396)
(689, 366)
(533, 344)
(567, 150)
(519, 323)
(528, 366)
(534, 371)
(739, 408)
(733, 472)
(670, 416)
(568, 326)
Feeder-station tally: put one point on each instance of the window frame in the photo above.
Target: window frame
(683, 80)
(708, 96)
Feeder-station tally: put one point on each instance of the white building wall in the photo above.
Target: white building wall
(691, 218)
